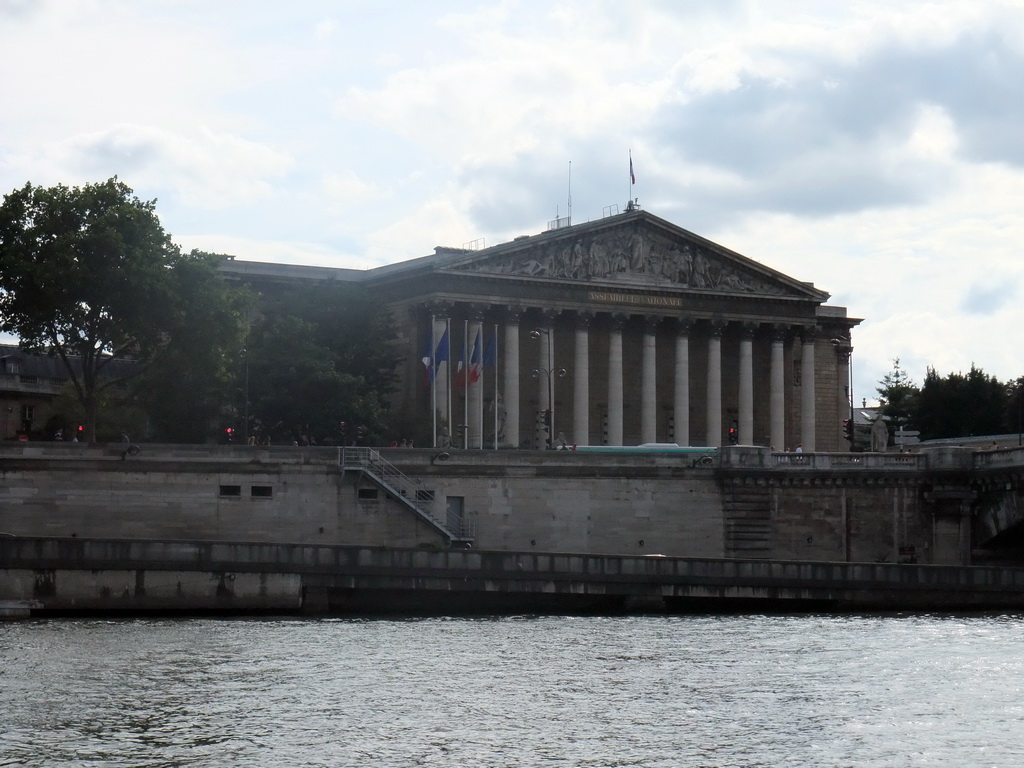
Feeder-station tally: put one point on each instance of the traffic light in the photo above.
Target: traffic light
(734, 437)
(547, 418)
(848, 429)
(230, 433)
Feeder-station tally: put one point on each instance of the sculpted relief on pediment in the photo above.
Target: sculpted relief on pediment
(630, 257)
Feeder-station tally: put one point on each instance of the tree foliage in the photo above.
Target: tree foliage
(961, 405)
(317, 358)
(897, 395)
(955, 405)
(89, 275)
(185, 390)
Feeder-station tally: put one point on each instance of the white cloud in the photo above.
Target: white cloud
(418, 232)
(289, 252)
(933, 136)
(870, 147)
(204, 168)
(345, 189)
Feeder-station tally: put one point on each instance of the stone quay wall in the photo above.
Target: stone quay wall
(741, 503)
(53, 576)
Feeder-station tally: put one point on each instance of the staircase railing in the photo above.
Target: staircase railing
(408, 490)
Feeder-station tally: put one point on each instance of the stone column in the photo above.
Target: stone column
(681, 401)
(714, 413)
(615, 381)
(581, 382)
(512, 378)
(746, 420)
(649, 381)
(439, 393)
(808, 422)
(777, 392)
(475, 389)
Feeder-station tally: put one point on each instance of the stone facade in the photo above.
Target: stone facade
(745, 504)
(623, 331)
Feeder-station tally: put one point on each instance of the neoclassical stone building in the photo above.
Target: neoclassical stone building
(621, 331)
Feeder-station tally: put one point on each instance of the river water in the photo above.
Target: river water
(520, 691)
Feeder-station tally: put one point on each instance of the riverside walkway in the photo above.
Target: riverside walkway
(118, 576)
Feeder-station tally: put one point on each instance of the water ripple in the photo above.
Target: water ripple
(522, 691)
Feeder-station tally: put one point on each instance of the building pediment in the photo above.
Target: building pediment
(641, 251)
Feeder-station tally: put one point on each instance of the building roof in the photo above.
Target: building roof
(632, 257)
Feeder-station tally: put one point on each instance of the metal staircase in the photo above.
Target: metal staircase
(406, 490)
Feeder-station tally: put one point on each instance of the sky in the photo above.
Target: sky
(874, 149)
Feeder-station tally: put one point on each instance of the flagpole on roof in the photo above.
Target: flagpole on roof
(632, 181)
(569, 201)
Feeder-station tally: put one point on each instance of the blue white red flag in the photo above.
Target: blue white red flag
(491, 353)
(475, 361)
(441, 353)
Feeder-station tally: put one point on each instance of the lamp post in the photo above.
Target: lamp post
(245, 407)
(844, 348)
(549, 374)
(1015, 392)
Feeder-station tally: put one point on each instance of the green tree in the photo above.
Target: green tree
(897, 396)
(315, 358)
(117, 413)
(186, 389)
(89, 275)
(351, 324)
(961, 405)
(296, 387)
(1015, 406)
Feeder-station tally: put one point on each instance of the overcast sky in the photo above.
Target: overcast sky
(872, 148)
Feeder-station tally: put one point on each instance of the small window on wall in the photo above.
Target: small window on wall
(262, 491)
(366, 494)
(231, 490)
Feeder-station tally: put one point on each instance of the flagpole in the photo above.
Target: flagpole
(478, 406)
(433, 379)
(495, 386)
(629, 197)
(448, 378)
(465, 384)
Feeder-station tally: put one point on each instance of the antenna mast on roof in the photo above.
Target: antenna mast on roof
(570, 193)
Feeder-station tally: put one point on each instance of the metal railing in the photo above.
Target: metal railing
(407, 490)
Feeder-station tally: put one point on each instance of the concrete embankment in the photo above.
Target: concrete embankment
(118, 576)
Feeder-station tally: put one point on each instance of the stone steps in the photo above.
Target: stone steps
(747, 521)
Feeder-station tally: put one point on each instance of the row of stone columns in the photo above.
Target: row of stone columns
(580, 415)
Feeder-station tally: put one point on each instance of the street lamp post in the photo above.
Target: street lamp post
(1015, 392)
(844, 347)
(549, 377)
(245, 406)
(549, 374)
